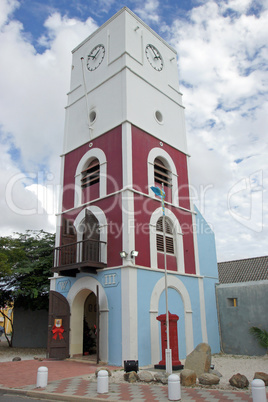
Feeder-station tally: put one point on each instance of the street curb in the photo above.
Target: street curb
(54, 396)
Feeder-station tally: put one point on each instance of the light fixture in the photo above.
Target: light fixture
(123, 254)
(134, 254)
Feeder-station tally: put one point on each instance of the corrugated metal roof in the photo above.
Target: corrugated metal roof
(250, 269)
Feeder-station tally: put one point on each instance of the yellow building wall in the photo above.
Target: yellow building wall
(8, 311)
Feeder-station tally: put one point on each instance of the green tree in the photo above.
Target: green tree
(25, 266)
(261, 335)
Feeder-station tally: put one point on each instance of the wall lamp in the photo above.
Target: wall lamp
(123, 254)
(134, 254)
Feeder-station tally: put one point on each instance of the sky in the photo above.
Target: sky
(222, 65)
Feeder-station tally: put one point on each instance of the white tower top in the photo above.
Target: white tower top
(124, 71)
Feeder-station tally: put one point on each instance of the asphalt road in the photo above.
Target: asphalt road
(5, 397)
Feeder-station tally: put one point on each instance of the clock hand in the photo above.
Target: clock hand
(155, 55)
(96, 54)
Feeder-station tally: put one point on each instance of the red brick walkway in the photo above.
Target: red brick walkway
(24, 372)
(68, 378)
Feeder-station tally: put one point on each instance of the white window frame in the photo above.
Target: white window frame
(168, 162)
(94, 153)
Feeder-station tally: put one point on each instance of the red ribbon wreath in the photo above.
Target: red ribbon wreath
(57, 331)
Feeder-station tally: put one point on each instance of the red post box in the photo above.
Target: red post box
(173, 341)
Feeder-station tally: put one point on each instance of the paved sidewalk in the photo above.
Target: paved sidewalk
(68, 381)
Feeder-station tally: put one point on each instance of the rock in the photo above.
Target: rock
(208, 379)
(188, 377)
(131, 376)
(160, 377)
(239, 381)
(261, 376)
(216, 372)
(199, 360)
(16, 359)
(145, 376)
(103, 368)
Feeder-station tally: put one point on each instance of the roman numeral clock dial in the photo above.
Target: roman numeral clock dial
(95, 57)
(154, 57)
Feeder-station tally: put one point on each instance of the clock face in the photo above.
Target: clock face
(95, 57)
(154, 57)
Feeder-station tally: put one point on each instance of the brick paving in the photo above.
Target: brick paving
(68, 379)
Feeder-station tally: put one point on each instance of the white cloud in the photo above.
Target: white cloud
(149, 11)
(223, 56)
(222, 62)
(33, 88)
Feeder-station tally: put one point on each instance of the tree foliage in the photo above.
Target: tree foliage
(25, 266)
(261, 335)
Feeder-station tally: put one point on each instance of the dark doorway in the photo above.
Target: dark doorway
(90, 325)
(91, 238)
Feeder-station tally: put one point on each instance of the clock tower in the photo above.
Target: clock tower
(124, 133)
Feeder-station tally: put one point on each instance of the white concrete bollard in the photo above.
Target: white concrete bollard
(174, 388)
(258, 391)
(102, 382)
(42, 374)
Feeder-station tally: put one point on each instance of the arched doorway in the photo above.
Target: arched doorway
(90, 325)
(77, 296)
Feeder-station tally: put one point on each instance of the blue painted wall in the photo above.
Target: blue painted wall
(113, 294)
(209, 269)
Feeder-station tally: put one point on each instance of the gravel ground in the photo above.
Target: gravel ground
(227, 365)
(7, 353)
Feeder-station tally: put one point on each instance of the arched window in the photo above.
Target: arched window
(160, 236)
(91, 175)
(161, 173)
(163, 176)
(162, 169)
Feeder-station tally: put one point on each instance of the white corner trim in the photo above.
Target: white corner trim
(129, 314)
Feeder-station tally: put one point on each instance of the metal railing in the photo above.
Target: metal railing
(84, 251)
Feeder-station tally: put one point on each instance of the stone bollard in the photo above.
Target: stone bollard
(174, 388)
(102, 382)
(42, 374)
(258, 391)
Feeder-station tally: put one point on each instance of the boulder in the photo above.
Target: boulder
(16, 359)
(188, 377)
(259, 375)
(199, 360)
(161, 377)
(239, 381)
(131, 376)
(145, 376)
(103, 368)
(208, 379)
(216, 372)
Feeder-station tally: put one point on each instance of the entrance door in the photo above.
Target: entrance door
(58, 326)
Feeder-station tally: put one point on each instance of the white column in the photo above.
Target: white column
(128, 272)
